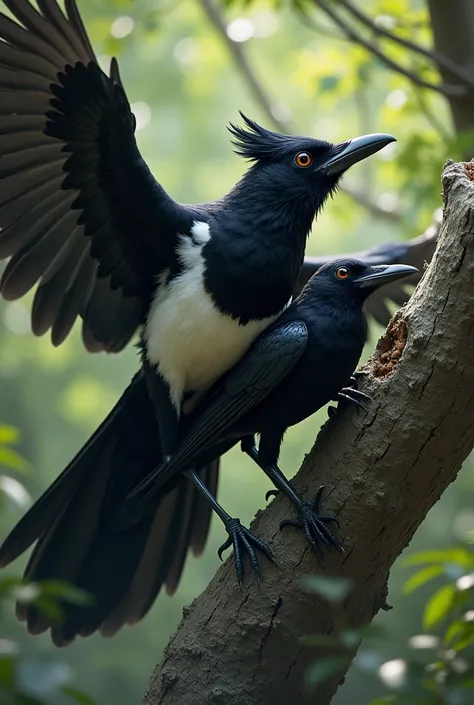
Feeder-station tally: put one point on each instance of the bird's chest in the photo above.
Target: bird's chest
(190, 340)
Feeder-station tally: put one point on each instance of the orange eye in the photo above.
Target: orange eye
(342, 273)
(303, 159)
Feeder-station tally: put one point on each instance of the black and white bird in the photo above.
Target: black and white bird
(81, 214)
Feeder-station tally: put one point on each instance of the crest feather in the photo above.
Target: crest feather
(257, 143)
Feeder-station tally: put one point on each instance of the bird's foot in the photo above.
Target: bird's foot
(349, 395)
(244, 542)
(315, 525)
(271, 493)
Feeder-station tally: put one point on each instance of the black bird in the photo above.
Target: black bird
(81, 213)
(294, 367)
(123, 550)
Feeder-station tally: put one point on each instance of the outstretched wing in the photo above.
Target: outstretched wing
(415, 252)
(265, 365)
(80, 212)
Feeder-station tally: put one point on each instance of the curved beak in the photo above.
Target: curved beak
(383, 274)
(346, 154)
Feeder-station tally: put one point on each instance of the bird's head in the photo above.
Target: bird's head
(296, 174)
(350, 281)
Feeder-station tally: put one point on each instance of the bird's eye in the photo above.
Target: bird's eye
(303, 159)
(342, 273)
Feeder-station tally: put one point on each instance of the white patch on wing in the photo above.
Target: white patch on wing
(187, 337)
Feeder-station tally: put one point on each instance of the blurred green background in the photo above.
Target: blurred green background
(185, 88)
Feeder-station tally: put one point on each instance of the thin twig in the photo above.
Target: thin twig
(354, 36)
(440, 59)
(236, 51)
(432, 119)
(272, 110)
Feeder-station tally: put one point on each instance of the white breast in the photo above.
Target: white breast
(187, 337)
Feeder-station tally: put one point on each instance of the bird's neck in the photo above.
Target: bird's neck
(254, 255)
(338, 319)
(270, 213)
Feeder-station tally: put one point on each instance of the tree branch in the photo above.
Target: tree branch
(383, 471)
(354, 36)
(236, 50)
(276, 112)
(439, 59)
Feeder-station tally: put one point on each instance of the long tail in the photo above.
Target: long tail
(87, 535)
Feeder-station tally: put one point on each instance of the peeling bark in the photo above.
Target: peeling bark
(383, 472)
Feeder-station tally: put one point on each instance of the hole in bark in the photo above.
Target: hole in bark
(469, 167)
(389, 349)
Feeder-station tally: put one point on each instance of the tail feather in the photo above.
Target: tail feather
(88, 534)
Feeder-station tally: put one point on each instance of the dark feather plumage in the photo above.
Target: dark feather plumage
(259, 144)
(86, 534)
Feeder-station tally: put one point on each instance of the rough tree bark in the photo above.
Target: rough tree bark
(383, 472)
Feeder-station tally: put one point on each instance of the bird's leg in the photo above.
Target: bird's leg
(242, 540)
(350, 394)
(166, 414)
(309, 519)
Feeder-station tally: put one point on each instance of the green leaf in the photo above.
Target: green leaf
(465, 641)
(78, 696)
(422, 577)
(438, 605)
(459, 555)
(7, 671)
(11, 459)
(453, 632)
(321, 671)
(62, 590)
(330, 589)
(9, 434)
(49, 608)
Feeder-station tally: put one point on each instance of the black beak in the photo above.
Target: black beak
(383, 274)
(345, 154)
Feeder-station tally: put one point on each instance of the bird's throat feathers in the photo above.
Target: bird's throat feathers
(275, 208)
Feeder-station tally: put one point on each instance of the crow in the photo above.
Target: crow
(298, 364)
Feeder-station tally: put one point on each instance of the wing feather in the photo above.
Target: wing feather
(268, 361)
(70, 170)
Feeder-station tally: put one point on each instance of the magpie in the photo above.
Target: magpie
(301, 362)
(81, 213)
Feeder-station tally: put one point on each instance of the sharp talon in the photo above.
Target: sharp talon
(314, 525)
(332, 412)
(244, 542)
(227, 544)
(270, 493)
